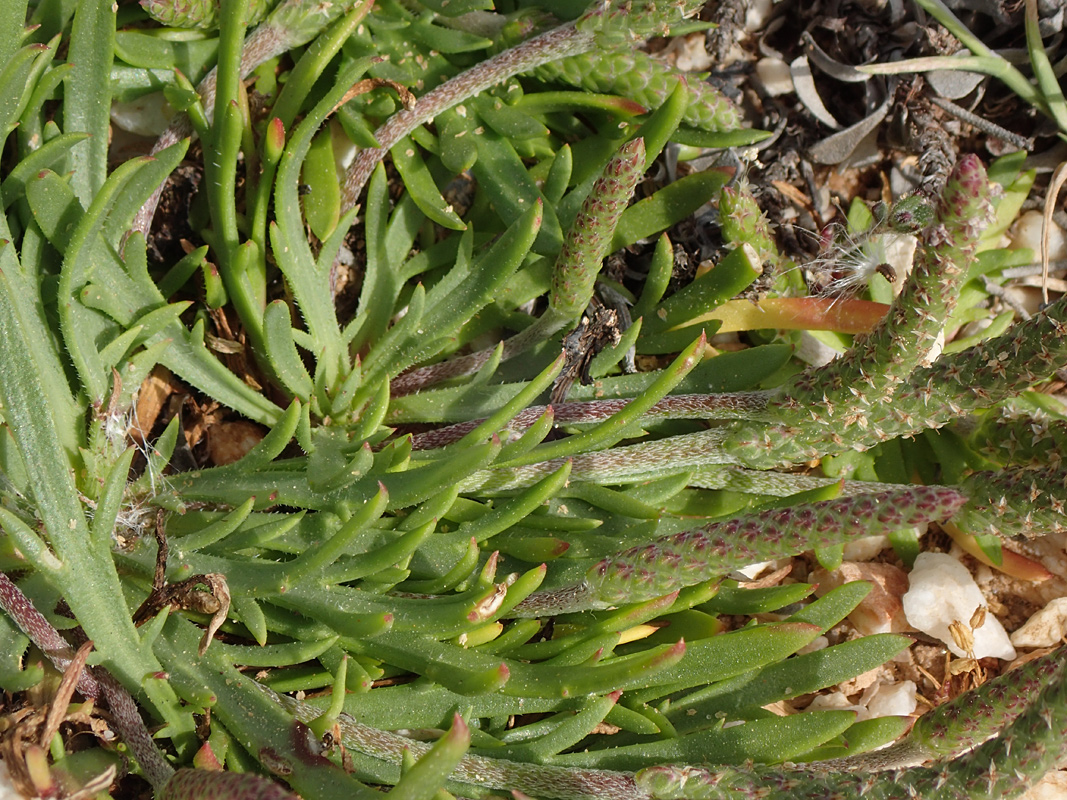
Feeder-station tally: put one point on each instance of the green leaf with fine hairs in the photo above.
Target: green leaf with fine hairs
(783, 680)
(281, 353)
(502, 175)
(17, 81)
(420, 184)
(768, 740)
(87, 99)
(12, 23)
(424, 780)
(249, 715)
(309, 283)
(668, 206)
(92, 595)
(322, 204)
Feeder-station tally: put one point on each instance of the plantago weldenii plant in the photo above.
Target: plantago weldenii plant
(423, 577)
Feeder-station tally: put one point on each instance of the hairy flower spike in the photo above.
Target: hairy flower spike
(614, 23)
(868, 374)
(867, 395)
(1019, 502)
(648, 81)
(200, 14)
(969, 719)
(691, 557)
(587, 243)
(201, 783)
(742, 220)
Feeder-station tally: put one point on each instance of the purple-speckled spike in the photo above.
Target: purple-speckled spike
(687, 558)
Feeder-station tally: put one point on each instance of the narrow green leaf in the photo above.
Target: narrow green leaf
(277, 655)
(281, 353)
(509, 187)
(785, 679)
(322, 205)
(46, 157)
(55, 208)
(77, 333)
(49, 363)
(668, 206)
(87, 99)
(768, 740)
(218, 530)
(1047, 80)
(16, 82)
(271, 445)
(327, 552)
(12, 23)
(658, 129)
(426, 778)
(420, 184)
(109, 504)
(614, 428)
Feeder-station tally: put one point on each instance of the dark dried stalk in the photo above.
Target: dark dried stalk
(125, 715)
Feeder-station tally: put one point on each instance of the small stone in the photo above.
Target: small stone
(773, 73)
(865, 549)
(880, 611)
(1026, 233)
(833, 701)
(890, 699)
(941, 591)
(1052, 787)
(1045, 628)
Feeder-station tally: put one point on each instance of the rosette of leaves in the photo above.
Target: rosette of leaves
(511, 593)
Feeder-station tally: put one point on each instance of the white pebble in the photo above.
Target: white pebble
(1052, 787)
(890, 699)
(1026, 232)
(1045, 628)
(146, 116)
(941, 591)
(865, 549)
(773, 73)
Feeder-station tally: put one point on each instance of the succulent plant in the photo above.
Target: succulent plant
(413, 535)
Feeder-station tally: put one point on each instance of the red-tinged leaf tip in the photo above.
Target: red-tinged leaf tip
(459, 730)
(628, 106)
(205, 758)
(614, 696)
